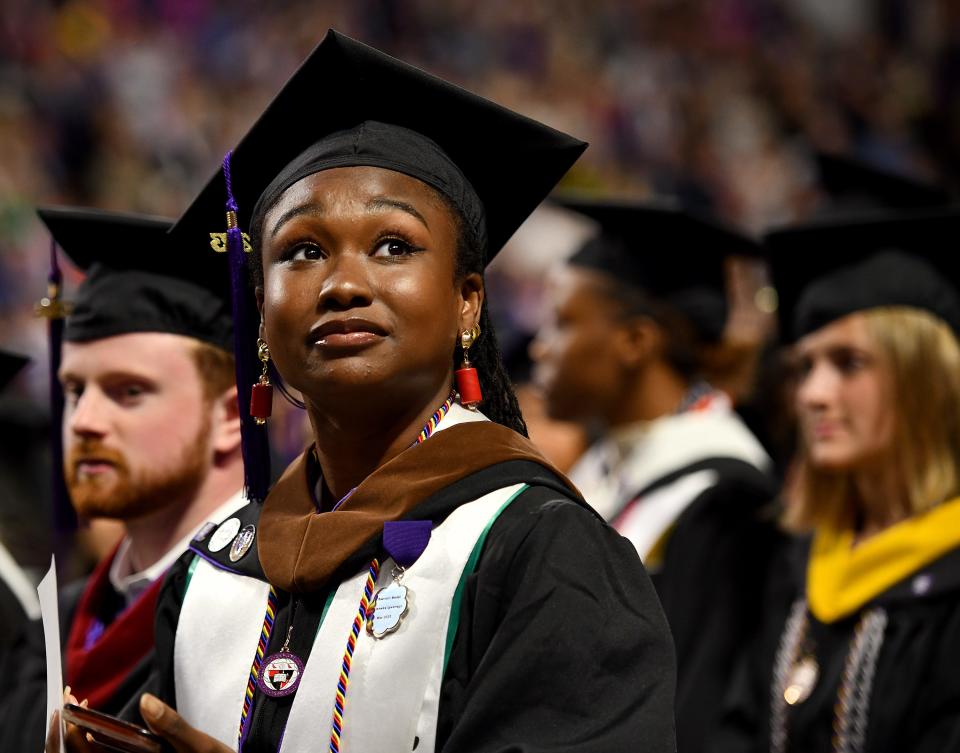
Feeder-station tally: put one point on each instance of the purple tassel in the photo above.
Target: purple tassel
(254, 441)
(64, 516)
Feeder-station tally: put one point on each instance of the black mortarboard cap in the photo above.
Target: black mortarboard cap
(668, 253)
(139, 280)
(382, 112)
(852, 185)
(826, 270)
(10, 366)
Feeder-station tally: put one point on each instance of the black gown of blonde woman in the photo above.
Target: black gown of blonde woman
(860, 641)
(894, 651)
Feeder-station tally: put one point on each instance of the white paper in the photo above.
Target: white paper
(50, 615)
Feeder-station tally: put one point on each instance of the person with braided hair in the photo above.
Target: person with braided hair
(633, 318)
(859, 645)
(420, 578)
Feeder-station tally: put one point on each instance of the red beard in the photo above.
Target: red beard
(120, 493)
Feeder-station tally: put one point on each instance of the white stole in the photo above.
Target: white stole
(394, 688)
(615, 469)
(645, 522)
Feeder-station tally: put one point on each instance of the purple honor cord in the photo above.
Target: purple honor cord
(343, 499)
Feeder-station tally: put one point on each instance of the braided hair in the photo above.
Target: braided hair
(499, 399)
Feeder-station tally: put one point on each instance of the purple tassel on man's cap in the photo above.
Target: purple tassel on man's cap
(256, 449)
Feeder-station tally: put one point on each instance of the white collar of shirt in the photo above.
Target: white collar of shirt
(130, 584)
(19, 584)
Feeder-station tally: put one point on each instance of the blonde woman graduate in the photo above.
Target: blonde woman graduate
(861, 656)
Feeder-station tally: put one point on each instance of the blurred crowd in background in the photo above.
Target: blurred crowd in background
(722, 104)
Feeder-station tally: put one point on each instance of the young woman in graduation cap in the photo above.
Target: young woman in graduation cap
(419, 579)
(862, 654)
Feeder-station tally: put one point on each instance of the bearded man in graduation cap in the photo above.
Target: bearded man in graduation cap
(151, 430)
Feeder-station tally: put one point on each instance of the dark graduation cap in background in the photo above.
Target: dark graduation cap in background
(138, 279)
(825, 270)
(351, 105)
(511, 162)
(10, 365)
(850, 185)
(667, 252)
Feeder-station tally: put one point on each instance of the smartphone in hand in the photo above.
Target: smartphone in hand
(113, 733)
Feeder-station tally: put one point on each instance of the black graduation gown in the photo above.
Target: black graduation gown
(16, 631)
(915, 701)
(22, 666)
(710, 583)
(22, 723)
(562, 645)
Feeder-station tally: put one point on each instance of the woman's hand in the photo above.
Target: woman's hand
(76, 740)
(169, 725)
(161, 719)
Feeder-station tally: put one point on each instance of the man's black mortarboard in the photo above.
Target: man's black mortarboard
(139, 280)
(825, 270)
(351, 105)
(852, 185)
(667, 253)
(10, 366)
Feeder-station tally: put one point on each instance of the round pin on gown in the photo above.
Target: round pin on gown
(224, 535)
(242, 543)
(281, 674)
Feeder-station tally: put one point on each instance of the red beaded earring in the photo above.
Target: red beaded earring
(468, 383)
(261, 396)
